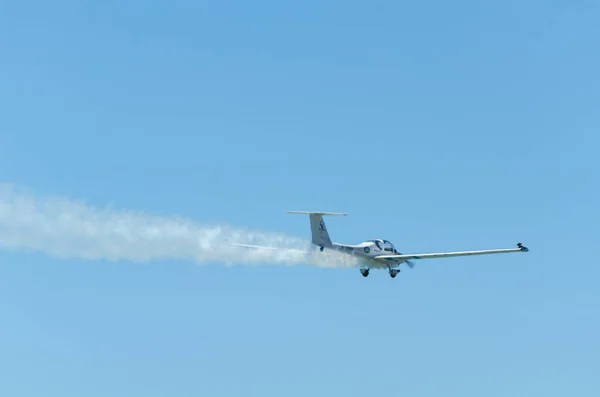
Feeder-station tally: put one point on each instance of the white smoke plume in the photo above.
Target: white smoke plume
(67, 228)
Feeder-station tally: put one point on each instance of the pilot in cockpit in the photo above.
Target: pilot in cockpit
(388, 246)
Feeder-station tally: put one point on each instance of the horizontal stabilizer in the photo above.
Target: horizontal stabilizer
(317, 213)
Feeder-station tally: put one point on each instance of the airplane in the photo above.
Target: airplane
(377, 253)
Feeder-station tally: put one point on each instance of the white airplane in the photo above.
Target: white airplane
(376, 254)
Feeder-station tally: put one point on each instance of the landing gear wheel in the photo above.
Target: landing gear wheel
(394, 273)
(321, 249)
(364, 272)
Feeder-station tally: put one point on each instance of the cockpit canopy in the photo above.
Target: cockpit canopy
(385, 245)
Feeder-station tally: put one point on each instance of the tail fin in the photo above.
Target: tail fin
(318, 229)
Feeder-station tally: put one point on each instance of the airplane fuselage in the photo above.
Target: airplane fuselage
(368, 250)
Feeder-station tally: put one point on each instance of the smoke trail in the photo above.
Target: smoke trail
(70, 229)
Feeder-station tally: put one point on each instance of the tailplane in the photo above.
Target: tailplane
(318, 229)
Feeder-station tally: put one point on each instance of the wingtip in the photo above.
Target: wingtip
(522, 247)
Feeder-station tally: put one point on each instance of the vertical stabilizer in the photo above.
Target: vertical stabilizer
(318, 229)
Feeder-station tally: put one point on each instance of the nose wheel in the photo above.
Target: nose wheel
(364, 272)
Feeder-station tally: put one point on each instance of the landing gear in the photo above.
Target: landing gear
(321, 248)
(393, 272)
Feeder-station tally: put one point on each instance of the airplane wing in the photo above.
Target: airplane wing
(273, 248)
(406, 257)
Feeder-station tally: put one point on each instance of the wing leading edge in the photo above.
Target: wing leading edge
(404, 257)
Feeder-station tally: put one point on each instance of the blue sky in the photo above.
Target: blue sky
(436, 125)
